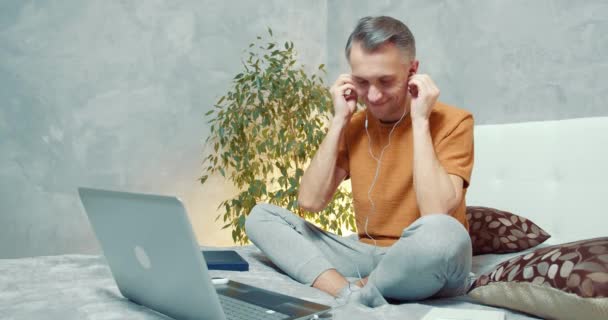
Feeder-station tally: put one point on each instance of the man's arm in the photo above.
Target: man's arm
(436, 190)
(323, 177)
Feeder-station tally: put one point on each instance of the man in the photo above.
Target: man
(409, 159)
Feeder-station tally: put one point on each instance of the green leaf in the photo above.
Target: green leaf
(299, 172)
(208, 112)
(270, 31)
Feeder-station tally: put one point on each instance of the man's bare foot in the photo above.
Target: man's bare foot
(330, 281)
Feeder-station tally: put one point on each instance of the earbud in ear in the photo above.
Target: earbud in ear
(413, 91)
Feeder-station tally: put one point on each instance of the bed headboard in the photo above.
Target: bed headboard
(553, 172)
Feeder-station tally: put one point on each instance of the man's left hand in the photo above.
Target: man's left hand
(424, 94)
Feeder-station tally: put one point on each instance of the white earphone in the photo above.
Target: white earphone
(378, 165)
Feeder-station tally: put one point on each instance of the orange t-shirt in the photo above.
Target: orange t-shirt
(393, 194)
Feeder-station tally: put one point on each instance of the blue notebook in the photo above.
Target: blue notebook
(225, 260)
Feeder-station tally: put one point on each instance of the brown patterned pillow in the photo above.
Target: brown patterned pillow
(567, 281)
(496, 231)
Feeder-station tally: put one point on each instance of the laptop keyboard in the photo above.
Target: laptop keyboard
(240, 310)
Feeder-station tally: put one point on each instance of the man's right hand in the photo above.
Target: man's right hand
(344, 96)
(323, 176)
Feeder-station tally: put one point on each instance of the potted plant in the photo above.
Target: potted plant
(264, 132)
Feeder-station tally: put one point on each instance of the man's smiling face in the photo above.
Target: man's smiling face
(381, 79)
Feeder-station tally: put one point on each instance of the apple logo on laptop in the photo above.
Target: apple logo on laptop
(142, 257)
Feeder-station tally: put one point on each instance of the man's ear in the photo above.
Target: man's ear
(413, 67)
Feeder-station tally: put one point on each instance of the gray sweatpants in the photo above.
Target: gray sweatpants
(432, 258)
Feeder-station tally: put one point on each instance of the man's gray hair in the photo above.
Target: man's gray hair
(373, 32)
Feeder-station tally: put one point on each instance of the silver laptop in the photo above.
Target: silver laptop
(156, 262)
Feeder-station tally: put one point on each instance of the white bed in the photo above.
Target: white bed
(82, 287)
(551, 172)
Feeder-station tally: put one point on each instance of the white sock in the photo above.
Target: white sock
(346, 292)
(367, 296)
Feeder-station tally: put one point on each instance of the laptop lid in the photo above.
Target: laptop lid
(152, 252)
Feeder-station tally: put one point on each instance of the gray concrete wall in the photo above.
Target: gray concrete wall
(111, 94)
(506, 61)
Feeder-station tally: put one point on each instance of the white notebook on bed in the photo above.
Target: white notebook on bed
(463, 314)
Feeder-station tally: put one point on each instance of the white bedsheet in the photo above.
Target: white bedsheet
(82, 287)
